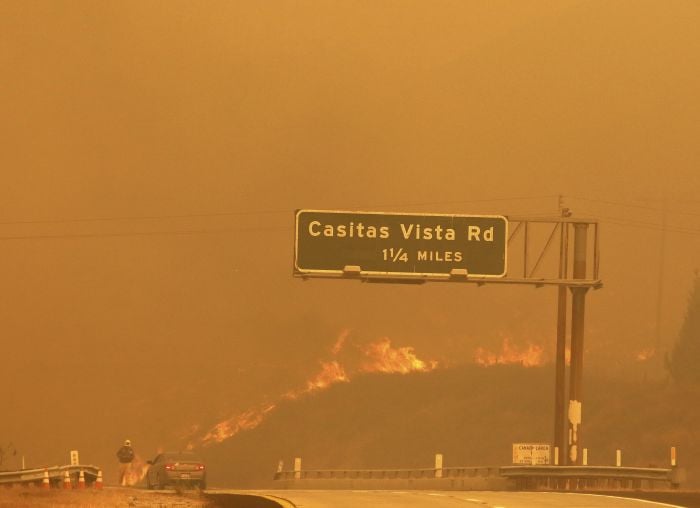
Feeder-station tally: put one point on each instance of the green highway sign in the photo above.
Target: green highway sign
(330, 242)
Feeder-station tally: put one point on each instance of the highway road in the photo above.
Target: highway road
(444, 499)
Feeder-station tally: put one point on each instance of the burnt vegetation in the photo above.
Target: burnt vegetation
(471, 414)
(683, 361)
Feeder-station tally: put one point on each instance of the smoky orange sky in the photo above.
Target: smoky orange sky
(152, 155)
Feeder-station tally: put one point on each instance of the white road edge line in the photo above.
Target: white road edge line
(655, 503)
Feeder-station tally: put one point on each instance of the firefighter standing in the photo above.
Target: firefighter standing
(125, 454)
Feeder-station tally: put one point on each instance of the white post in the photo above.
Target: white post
(438, 465)
(585, 456)
(673, 456)
(618, 458)
(297, 468)
(23, 466)
(556, 455)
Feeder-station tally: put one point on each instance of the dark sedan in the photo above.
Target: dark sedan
(176, 469)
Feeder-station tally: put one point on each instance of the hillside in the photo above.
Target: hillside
(470, 414)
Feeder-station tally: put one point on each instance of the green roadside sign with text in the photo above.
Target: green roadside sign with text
(330, 242)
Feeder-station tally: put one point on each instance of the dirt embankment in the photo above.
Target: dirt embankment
(112, 497)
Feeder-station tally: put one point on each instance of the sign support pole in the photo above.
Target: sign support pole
(578, 308)
(560, 398)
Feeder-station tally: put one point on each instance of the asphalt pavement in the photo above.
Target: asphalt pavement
(428, 499)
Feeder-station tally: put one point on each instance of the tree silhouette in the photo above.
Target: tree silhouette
(685, 357)
(7, 450)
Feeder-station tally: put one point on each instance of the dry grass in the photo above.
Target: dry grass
(32, 497)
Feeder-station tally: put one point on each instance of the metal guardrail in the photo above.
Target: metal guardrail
(55, 473)
(591, 476)
(387, 474)
(638, 473)
(525, 477)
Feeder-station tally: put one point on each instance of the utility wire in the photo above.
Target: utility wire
(142, 233)
(249, 229)
(142, 217)
(246, 212)
(648, 225)
(633, 205)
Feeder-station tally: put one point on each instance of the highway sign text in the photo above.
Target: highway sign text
(330, 242)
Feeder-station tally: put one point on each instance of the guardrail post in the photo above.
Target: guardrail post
(297, 468)
(438, 465)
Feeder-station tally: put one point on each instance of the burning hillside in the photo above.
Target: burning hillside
(376, 357)
(530, 356)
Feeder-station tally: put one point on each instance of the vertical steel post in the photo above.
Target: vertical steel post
(438, 465)
(578, 308)
(560, 364)
(525, 252)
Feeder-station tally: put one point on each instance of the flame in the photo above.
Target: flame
(381, 357)
(340, 342)
(331, 373)
(510, 354)
(245, 421)
(645, 354)
(135, 472)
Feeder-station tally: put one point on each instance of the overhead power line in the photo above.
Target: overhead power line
(648, 225)
(143, 233)
(635, 205)
(118, 218)
(142, 217)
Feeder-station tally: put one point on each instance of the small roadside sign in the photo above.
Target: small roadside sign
(531, 454)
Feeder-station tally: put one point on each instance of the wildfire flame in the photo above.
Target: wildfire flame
(645, 354)
(510, 354)
(331, 373)
(245, 421)
(379, 356)
(340, 342)
(135, 472)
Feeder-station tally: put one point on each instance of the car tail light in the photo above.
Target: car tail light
(170, 467)
(200, 467)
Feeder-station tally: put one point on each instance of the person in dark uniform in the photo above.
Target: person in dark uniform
(125, 454)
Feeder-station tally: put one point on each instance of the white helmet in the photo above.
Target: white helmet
(127, 442)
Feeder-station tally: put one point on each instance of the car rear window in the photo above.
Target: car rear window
(183, 457)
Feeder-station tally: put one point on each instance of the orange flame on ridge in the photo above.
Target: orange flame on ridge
(331, 373)
(510, 354)
(245, 421)
(381, 357)
(340, 342)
